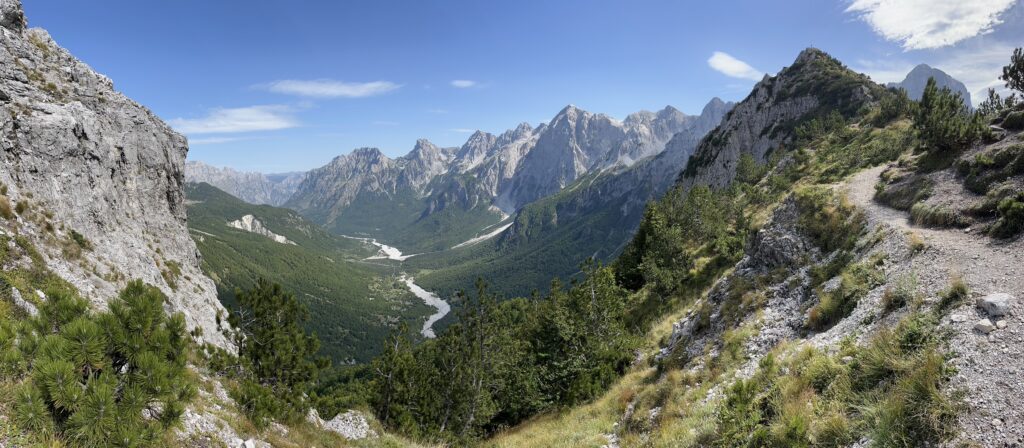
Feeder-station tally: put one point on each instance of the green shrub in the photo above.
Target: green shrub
(1011, 217)
(894, 106)
(854, 283)
(1014, 121)
(892, 392)
(80, 240)
(21, 207)
(829, 219)
(90, 377)
(943, 122)
(278, 363)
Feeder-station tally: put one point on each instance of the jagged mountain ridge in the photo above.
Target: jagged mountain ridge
(917, 78)
(251, 187)
(94, 169)
(593, 217)
(489, 176)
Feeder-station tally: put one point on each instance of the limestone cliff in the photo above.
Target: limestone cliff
(92, 169)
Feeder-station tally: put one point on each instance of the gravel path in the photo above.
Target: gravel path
(990, 368)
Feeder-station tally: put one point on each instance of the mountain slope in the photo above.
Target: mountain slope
(433, 198)
(99, 178)
(917, 78)
(593, 217)
(829, 326)
(254, 188)
(765, 121)
(356, 303)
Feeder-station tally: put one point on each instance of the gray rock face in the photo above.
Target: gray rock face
(251, 224)
(86, 158)
(917, 79)
(815, 84)
(254, 188)
(577, 142)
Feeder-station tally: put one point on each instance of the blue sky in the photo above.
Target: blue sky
(278, 86)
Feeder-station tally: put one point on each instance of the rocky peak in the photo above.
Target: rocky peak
(474, 151)
(12, 16)
(915, 82)
(816, 84)
(810, 54)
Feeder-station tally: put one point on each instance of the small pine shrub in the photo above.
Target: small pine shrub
(943, 122)
(1011, 217)
(1014, 121)
(21, 207)
(90, 377)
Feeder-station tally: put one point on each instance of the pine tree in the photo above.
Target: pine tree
(1013, 73)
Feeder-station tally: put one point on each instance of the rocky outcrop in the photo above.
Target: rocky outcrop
(251, 187)
(815, 85)
(917, 79)
(351, 425)
(250, 224)
(97, 170)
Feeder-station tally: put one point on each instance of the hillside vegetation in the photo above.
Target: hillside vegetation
(356, 303)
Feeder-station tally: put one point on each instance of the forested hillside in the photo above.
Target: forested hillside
(357, 302)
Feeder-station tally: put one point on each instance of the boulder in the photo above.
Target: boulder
(351, 425)
(996, 304)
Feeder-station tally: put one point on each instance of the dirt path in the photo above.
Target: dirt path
(991, 368)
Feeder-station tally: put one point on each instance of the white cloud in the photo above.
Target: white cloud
(241, 119)
(463, 83)
(328, 88)
(213, 140)
(733, 67)
(924, 24)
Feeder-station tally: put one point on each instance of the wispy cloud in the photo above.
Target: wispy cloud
(329, 88)
(733, 67)
(924, 24)
(241, 119)
(464, 83)
(214, 140)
